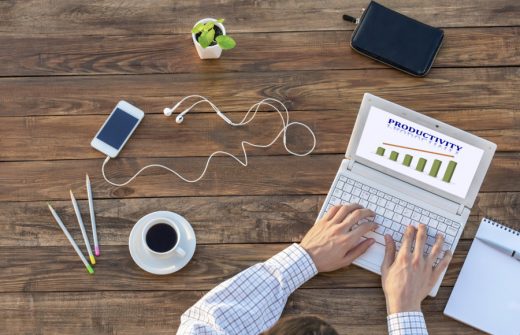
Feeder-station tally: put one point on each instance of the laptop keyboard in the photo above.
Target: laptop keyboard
(393, 214)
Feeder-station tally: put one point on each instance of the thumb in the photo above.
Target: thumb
(357, 251)
(389, 254)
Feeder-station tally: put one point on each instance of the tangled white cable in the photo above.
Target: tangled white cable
(268, 102)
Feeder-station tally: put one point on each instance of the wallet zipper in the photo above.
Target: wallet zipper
(352, 19)
(395, 67)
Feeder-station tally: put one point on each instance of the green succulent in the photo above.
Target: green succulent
(207, 36)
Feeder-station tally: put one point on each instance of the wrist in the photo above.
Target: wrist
(310, 254)
(397, 306)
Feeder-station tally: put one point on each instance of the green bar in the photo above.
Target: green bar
(449, 171)
(407, 160)
(380, 151)
(394, 155)
(421, 164)
(435, 168)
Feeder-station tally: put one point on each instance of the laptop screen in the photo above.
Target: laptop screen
(419, 152)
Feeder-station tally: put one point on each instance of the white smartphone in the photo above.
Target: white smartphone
(117, 129)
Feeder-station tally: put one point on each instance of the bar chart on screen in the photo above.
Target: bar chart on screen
(411, 150)
(419, 162)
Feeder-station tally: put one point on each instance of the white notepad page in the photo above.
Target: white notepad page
(487, 292)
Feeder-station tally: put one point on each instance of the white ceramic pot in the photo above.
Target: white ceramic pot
(213, 51)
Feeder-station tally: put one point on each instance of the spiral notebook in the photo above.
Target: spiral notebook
(487, 292)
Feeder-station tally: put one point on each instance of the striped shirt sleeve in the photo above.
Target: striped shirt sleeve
(407, 323)
(253, 300)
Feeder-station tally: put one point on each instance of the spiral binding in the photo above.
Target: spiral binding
(494, 222)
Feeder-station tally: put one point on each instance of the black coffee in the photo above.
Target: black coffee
(161, 237)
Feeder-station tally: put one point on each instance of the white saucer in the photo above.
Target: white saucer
(156, 264)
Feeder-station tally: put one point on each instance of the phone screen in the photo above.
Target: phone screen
(117, 128)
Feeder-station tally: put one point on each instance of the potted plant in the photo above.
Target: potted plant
(209, 37)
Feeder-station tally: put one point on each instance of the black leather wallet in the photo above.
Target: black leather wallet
(396, 40)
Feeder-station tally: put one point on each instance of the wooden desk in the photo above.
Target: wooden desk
(65, 64)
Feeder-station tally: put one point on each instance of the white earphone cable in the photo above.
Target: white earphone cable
(243, 122)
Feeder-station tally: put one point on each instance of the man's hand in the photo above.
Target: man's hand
(409, 276)
(332, 244)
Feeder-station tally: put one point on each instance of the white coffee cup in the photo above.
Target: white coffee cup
(176, 249)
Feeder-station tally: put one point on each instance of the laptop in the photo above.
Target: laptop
(409, 169)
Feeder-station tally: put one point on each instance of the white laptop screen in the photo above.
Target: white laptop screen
(419, 152)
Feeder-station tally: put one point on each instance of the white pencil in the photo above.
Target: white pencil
(92, 216)
(82, 227)
(71, 240)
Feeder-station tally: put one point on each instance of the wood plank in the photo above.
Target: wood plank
(164, 17)
(241, 215)
(316, 50)
(30, 269)
(350, 311)
(68, 137)
(240, 219)
(266, 175)
(442, 90)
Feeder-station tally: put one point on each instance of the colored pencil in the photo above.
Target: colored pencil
(92, 216)
(71, 240)
(82, 227)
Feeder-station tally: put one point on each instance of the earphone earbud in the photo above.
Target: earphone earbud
(270, 102)
(180, 117)
(169, 111)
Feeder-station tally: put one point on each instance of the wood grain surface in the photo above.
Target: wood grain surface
(312, 50)
(260, 219)
(351, 310)
(443, 89)
(64, 64)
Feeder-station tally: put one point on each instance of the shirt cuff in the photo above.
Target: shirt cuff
(294, 265)
(407, 323)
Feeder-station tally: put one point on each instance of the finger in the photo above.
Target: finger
(389, 253)
(331, 212)
(358, 250)
(437, 248)
(443, 264)
(343, 212)
(409, 235)
(360, 213)
(361, 230)
(420, 239)
(354, 218)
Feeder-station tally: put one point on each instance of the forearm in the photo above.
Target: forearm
(253, 300)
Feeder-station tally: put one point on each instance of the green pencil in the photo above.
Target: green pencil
(71, 240)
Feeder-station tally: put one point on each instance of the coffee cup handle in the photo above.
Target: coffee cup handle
(180, 251)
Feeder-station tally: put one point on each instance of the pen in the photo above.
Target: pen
(505, 250)
(71, 240)
(92, 216)
(82, 227)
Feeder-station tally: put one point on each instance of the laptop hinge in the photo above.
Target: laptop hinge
(460, 209)
(350, 163)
